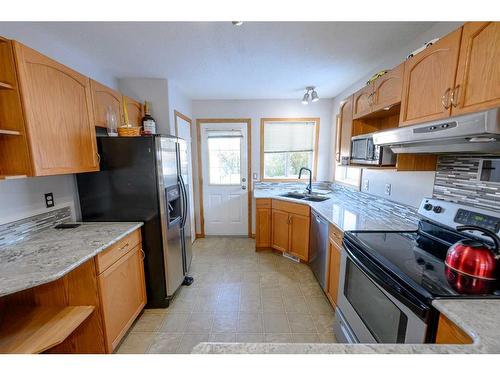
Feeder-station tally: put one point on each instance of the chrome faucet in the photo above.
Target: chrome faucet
(309, 186)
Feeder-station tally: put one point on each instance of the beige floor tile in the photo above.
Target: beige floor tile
(305, 338)
(272, 305)
(311, 289)
(278, 337)
(249, 337)
(222, 337)
(225, 322)
(250, 304)
(200, 323)
(175, 323)
(275, 323)
(205, 304)
(189, 341)
(295, 304)
(319, 306)
(301, 323)
(250, 323)
(136, 343)
(148, 322)
(165, 343)
(324, 323)
(327, 338)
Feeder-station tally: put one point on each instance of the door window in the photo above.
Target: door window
(381, 316)
(224, 157)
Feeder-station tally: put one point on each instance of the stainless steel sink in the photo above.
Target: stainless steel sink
(305, 197)
(316, 198)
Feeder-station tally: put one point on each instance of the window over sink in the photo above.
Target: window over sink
(288, 144)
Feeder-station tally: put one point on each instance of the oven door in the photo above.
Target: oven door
(369, 312)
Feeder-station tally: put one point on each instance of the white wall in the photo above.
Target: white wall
(257, 109)
(155, 91)
(177, 101)
(24, 197)
(414, 179)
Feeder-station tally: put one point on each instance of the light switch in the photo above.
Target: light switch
(255, 176)
(388, 189)
(366, 184)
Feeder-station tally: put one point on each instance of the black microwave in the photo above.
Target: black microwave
(364, 151)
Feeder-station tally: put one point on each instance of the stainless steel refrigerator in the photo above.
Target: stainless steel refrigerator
(145, 179)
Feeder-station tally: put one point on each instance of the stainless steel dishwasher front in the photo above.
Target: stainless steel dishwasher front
(318, 253)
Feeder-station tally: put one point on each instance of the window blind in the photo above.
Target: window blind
(288, 136)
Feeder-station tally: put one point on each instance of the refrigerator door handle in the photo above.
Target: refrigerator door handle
(184, 201)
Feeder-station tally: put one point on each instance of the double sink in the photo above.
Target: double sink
(305, 197)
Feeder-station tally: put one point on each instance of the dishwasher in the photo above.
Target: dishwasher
(318, 253)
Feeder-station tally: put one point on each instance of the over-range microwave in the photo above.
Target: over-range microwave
(364, 151)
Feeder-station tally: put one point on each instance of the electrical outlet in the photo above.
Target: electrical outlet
(255, 176)
(388, 189)
(49, 200)
(366, 184)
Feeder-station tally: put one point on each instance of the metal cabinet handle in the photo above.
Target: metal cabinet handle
(98, 158)
(243, 187)
(143, 254)
(124, 246)
(337, 157)
(454, 96)
(445, 99)
(370, 98)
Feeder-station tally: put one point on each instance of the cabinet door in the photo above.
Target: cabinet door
(346, 125)
(362, 102)
(429, 78)
(123, 295)
(478, 76)
(387, 89)
(104, 97)
(279, 231)
(263, 227)
(299, 236)
(58, 107)
(134, 109)
(333, 272)
(449, 333)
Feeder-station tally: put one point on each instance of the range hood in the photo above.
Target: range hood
(476, 132)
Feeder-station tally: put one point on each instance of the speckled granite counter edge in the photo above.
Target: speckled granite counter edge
(82, 260)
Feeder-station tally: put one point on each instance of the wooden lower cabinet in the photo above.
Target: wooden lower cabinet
(123, 295)
(335, 251)
(263, 223)
(290, 224)
(449, 333)
(280, 231)
(299, 236)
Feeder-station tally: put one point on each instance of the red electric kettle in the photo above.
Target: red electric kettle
(472, 265)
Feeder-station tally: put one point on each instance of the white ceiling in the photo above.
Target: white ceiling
(216, 60)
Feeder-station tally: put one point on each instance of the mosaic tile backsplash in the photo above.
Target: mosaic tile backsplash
(457, 181)
(21, 229)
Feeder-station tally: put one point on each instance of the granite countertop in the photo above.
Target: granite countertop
(478, 318)
(352, 210)
(52, 253)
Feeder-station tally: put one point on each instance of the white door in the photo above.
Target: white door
(225, 185)
(183, 130)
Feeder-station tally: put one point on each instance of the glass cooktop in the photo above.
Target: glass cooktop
(415, 257)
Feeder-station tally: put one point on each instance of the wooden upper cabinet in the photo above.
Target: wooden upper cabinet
(58, 112)
(387, 89)
(346, 128)
(134, 109)
(429, 78)
(104, 98)
(362, 102)
(478, 76)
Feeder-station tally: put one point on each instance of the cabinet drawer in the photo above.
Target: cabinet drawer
(449, 333)
(293, 208)
(117, 250)
(263, 203)
(336, 235)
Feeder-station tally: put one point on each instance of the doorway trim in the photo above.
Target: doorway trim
(200, 165)
(185, 118)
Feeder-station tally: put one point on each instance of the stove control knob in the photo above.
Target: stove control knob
(438, 209)
(427, 206)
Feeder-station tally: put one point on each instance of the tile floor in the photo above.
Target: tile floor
(238, 296)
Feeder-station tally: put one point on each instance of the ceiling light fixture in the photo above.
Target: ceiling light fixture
(310, 95)
(237, 23)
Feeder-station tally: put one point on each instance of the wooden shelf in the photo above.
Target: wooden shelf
(6, 86)
(9, 132)
(33, 330)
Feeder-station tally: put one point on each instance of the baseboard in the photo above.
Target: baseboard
(199, 235)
